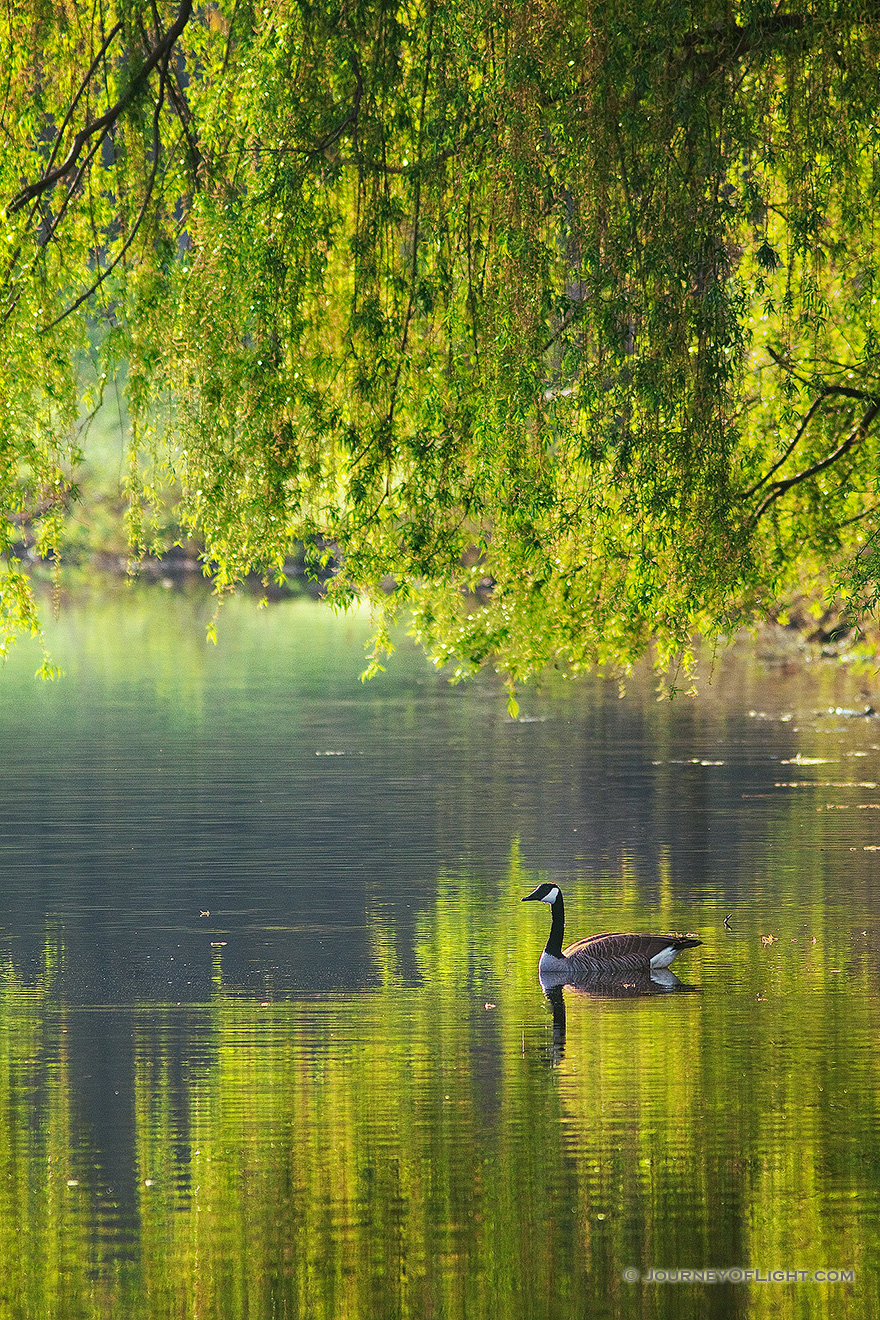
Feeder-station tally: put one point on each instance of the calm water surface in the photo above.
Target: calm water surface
(272, 1042)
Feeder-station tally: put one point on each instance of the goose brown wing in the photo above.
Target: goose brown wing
(625, 949)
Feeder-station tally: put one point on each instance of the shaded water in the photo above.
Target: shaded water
(271, 1037)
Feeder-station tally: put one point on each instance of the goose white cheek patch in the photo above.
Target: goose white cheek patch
(551, 897)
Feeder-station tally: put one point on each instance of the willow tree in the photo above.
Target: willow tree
(557, 323)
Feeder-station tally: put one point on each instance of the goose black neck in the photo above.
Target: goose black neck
(554, 943)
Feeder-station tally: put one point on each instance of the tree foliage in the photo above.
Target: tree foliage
(559, 323)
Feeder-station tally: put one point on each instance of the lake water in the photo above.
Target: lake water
(272, 1042)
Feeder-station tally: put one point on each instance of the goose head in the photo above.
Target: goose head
(543, 894)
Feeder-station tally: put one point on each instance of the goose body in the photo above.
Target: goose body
(597, 955)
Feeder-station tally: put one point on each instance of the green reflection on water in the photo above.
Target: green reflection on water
(425, 1147)
(425, 1150)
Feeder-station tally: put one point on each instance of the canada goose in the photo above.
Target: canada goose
(598, 954)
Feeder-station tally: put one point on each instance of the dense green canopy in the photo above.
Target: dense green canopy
(556, 322)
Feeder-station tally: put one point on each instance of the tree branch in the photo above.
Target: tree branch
(27, 516)
(858, 517)
(735, 41)
(825, 391)
(848, 391)
(561, 328)
(350, 118)
(160, 52)
(747, 494)
(160, 100)
(93, 67)
(780, 487)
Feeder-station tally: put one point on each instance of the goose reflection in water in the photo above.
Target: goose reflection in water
(659, 982)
